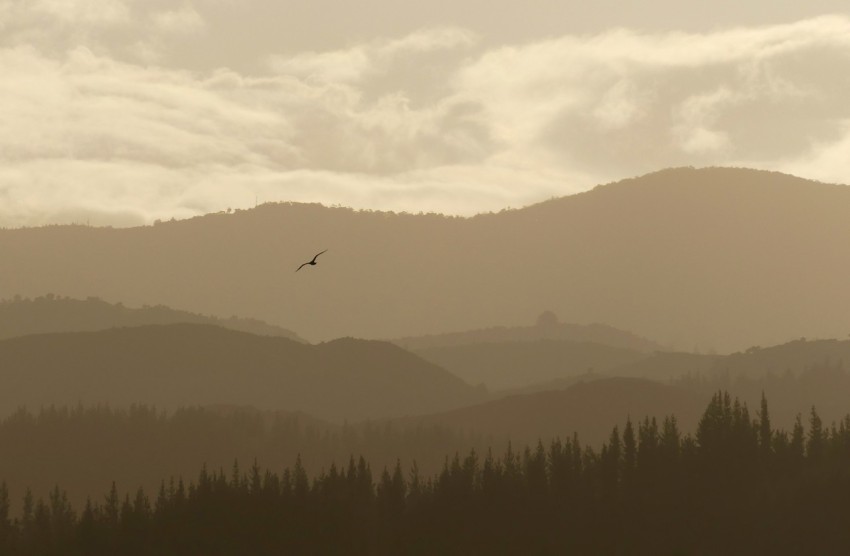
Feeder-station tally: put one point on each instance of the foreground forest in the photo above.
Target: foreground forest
(737, 486)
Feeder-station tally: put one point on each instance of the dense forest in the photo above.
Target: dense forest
(737, 486)
(85, 448)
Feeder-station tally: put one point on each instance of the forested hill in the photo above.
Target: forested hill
(551, 330)
(49, 313)
(756, 362)
(717, 259)
(505, 365)
(737, 486)
(589, 409)
(173, 366)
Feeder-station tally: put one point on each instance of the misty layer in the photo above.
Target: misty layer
(714, 259)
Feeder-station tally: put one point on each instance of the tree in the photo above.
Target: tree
(547, 319)
(629, 452)
(816, 440)
(5, 523)
(764, 428)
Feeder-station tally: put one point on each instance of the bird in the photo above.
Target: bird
(311, 263)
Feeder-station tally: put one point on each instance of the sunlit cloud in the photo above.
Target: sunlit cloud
(98, 125)
(362, 61)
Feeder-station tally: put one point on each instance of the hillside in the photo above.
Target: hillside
(45, 314)
(178, 365)
(506, 365)
(556, 331)
(717, 258)
(590, 409)
(84, 449)
(756, 362)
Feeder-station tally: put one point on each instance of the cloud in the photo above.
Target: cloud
(83, 12)
(184, 20)
(635, 102)
(362, 61)
(434, 119)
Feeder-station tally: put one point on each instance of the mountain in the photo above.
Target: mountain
(547, 328)
(590, 409)
(756, 362)
(44, 314)
(187, 364)
(506, 365)
(717, 258)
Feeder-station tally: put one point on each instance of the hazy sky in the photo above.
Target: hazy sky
(123, 111)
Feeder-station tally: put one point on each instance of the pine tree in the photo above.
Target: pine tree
(816, 440)
(5, 522)
(629, 453)
(764, 428)
(796, 447)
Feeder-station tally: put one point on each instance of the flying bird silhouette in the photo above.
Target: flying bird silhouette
(311, 263)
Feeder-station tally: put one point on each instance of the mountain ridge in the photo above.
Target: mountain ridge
(179, 365)
(715, 258)
(48, 313)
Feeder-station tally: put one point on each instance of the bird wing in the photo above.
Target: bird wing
(317, 256)
(302, 266)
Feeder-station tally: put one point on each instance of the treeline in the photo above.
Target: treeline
(738, 486)
(824, 383)
(85, 448)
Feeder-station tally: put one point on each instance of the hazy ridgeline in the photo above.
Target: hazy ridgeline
(410, 400)
(49, 313)
(716, 258)
(83, 449)
(737, 486)
(172, 366)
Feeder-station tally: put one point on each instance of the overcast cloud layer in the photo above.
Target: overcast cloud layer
(117, 112)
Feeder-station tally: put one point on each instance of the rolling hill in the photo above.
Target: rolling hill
(506, 365)
(551, 330)
(45, 314)
(186, 364)
(718, 258)
(589, 409)
(756, 362)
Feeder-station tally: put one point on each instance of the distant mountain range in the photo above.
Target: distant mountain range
(181, 365)
(547, 328)
(44, 314)
(716, 258)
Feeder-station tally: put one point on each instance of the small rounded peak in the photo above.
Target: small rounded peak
(547, 319)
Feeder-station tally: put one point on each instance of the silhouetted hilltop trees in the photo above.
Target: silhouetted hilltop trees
(49, 313)
(738, 486)
(713, 257)
(825, 384)
(190, 364)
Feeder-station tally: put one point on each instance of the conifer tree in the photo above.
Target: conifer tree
(816, 438)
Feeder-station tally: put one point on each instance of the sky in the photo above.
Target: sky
(121, 112)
